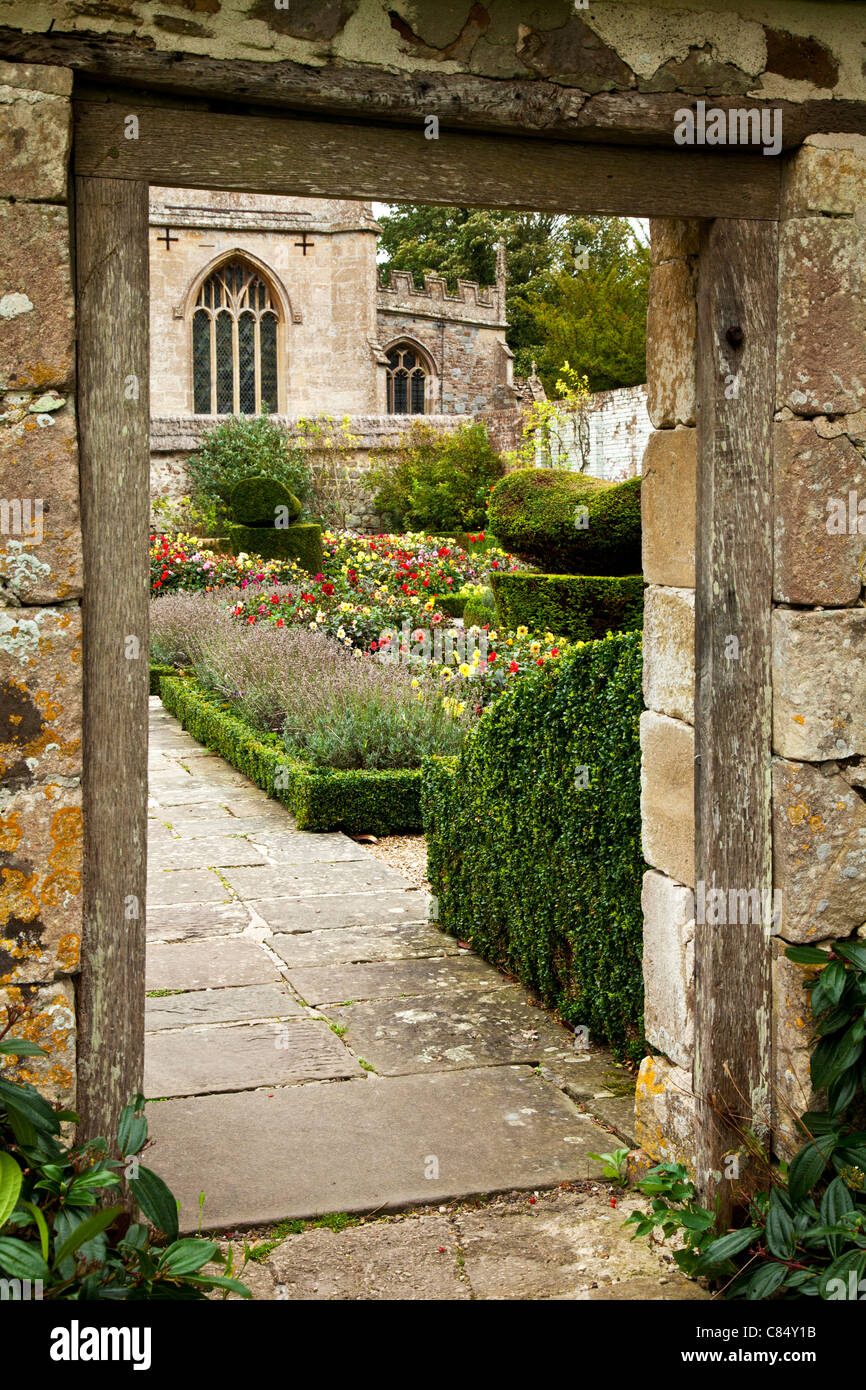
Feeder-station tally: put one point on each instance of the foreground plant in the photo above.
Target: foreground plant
(805, 1237)
(56, 1230)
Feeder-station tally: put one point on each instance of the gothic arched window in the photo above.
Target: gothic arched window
(407, 374)
(235, 323)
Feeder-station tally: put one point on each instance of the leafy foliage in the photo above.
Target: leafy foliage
(579, 607)
(560, 304)
(805, 1236)
(437, 480)
(54, 1224)
(569, 523)
(244, 446)
(533, 837)
(263, 501)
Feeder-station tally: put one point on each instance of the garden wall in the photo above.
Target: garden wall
(40, 576)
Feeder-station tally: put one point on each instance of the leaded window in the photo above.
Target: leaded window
(234, 343)
(407, 381)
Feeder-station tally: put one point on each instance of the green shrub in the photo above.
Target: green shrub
(452, 604)
(376, 728)
(376, 802)
(569, 523)
(479, 609)
(60, 1221)
(575, 606)
(244, 446)
(533, 836)
(437, 480)
(301, 542)
(156, 674)
(261, 501)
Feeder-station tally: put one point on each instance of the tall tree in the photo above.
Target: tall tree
(577, 286)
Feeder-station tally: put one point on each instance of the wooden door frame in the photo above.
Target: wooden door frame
(123, 143)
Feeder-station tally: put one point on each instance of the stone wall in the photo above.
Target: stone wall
(40, 578)
(665, 1107)
(819, 622)
(172, 440)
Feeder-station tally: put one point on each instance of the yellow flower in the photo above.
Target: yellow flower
(522, 631)
(492, 636)
(549, 638)
(459, 707)
(535, 648)
(414, 683)
(464, 670)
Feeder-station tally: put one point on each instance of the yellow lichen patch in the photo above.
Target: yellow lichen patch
(797, 814)
(10, 832)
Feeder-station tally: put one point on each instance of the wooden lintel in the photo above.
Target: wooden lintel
(191, 148)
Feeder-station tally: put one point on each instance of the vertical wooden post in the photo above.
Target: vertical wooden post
(733, 852)
(113, 422)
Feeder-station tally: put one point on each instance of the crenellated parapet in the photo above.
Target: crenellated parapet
(471, 303)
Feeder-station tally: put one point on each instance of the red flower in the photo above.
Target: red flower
(513, 668)
(554, 651)
(540, 661)
(491, 658)
(280, 622)
(327, 589)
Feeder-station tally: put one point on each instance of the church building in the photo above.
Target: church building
(273, 303)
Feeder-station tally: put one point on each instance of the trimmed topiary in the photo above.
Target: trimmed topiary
(262, 501)
(576, 606)
(533, 837)
(568, 523)
(301, 542)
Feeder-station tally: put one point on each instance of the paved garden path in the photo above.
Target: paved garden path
(313, 1042)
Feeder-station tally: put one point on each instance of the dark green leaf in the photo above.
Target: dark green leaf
(807, 1166)
(156, 1201)
(781, 1239)
(85, 1231)
(807, 955)
(21, 1047)
(22, 1261)
(188, 1255)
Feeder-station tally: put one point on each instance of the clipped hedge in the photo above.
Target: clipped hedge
(541, 873)
(256, 501)
(536, 513)
(452, 604)
(575, 606)
(301, 541)
(377, 802)
(156, 675)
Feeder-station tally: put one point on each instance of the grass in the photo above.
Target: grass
(366, 1066)
(330, 1221)
(162, 993)
(338, 1028)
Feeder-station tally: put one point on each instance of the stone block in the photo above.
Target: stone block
(48, 1019)
(792, 1031)
(819, 852)
(673, 238)
(821, 358)
(825, 179)
(819, 683)
(40, 695)
(667, 796)
(36, 304)
(668, 505)
(35, 131)
(671, 345)
(669, 966)
(40, 884)
(39, 468)
(666, 1112)
(669, 652)
(818, 555)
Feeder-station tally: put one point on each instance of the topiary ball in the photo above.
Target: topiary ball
(257, 502)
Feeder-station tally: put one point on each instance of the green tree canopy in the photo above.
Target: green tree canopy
(577, 286)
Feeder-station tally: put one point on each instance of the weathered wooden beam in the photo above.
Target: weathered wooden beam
(190, 148)
(113, 425)
(737, 292)
(469, 100)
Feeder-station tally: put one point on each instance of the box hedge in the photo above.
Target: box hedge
(301, 542)
(579, 607)
(533, 834)
(568, 523)
(320, 798)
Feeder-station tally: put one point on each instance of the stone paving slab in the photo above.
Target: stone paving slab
(164, 889)
(209, 964)
(407, 1261)
(460, 1028)
(199, 1061)
(353, 945)
(294, 880)
(233, 1004)
(195, 812)
(215, 851)
(303, 847)
(218, 824)
(195, 920)
(182, 794)
(333, 984)
(327, 912)
(364, 1145)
